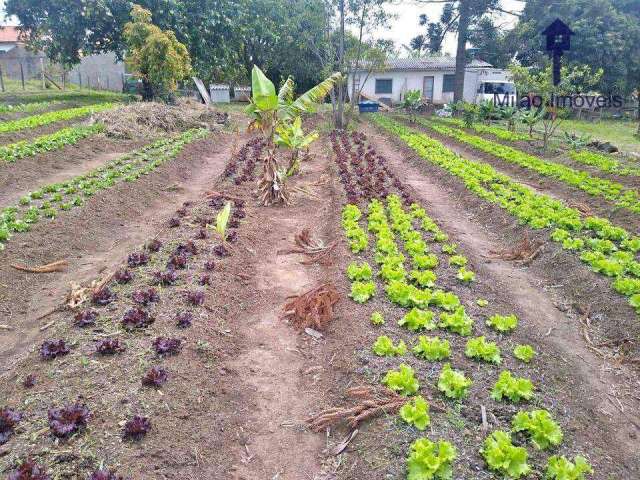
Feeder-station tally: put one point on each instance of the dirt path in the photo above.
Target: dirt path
(277, 358)
(95, 237)
(28, 174)
(596, 385)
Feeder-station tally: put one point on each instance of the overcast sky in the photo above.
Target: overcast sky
(405, 27)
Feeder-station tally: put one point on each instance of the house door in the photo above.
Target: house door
(427, 88)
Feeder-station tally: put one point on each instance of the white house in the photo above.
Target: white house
(433, 76)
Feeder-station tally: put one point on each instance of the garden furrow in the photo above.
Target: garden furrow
(607, 249)
(456, 322)
(48, 200)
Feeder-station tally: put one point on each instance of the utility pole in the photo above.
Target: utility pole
(339, 121)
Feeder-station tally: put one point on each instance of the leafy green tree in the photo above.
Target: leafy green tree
(462, 17)
(154, 55)
(607, 37)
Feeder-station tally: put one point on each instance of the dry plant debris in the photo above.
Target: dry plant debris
(313, 308)
(57, 266)
(525, 251)
(272, 187)
(149, 119)
(317, 250)
(371, 402)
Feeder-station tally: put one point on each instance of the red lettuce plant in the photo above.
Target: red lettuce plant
(123, 275)
(103, 297)
(232, 237)
(168, 277)
(136, 318)
(167, 346)
(136, 259)
(145, 296)
(136, 428)
(67, 420)
(8, 420)
(188, 248)
(174, 222)
(195, 297)
(184, 319)
(221, 251)
(182, 212)
(29, 470)
(29, 381)
(178, 261)
(209, 265)
(202, 234)
(155, 377)
(51, 349)
(205, 280)
(109, 346)
(85, 318)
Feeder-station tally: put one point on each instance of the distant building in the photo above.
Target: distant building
(433, 76)
(8, 38)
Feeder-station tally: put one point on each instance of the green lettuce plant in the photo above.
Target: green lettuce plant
(377, 318)
(479, 348)
(560, 468)
(539, 426)
(512, 388)
(503, 323)
(453, 383)
(416, 412)
(384, 347)
(432, 348)
(402, 380)
(362, 291)
(430, 461)
(457, 322)
(417, 319)
(524, 353)
(359, 271)
(503, 457)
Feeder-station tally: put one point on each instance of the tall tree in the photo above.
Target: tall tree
(462, 17)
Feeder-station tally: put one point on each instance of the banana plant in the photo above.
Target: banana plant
(531, 118)
(486, 110)
(290, 135)
(268, 110)
(509, 114)
(411, 103)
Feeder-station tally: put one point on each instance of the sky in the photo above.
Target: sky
(404, 27)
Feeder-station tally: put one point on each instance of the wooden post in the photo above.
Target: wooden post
(107, 82)
(1, 79)
(80, 80)
(22, 75)
(64, 80)
(99, 87)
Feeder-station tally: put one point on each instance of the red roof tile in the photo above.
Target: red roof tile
(9, 34)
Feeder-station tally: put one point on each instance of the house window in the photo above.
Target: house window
(448, 83)
(384, 86)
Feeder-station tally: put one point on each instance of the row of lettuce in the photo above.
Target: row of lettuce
(603, 162)
(47, 118)
(614, 192)
(416, 290)
(607, 249)
(47, 201)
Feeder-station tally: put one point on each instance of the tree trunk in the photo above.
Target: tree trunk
(339, 120)
(147, 90)
(463, 34)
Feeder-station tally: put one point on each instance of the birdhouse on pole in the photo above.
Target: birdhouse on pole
(558, 41)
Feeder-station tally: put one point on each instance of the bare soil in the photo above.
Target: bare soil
(244, 380)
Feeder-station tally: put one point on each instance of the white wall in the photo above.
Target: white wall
(407, 80)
